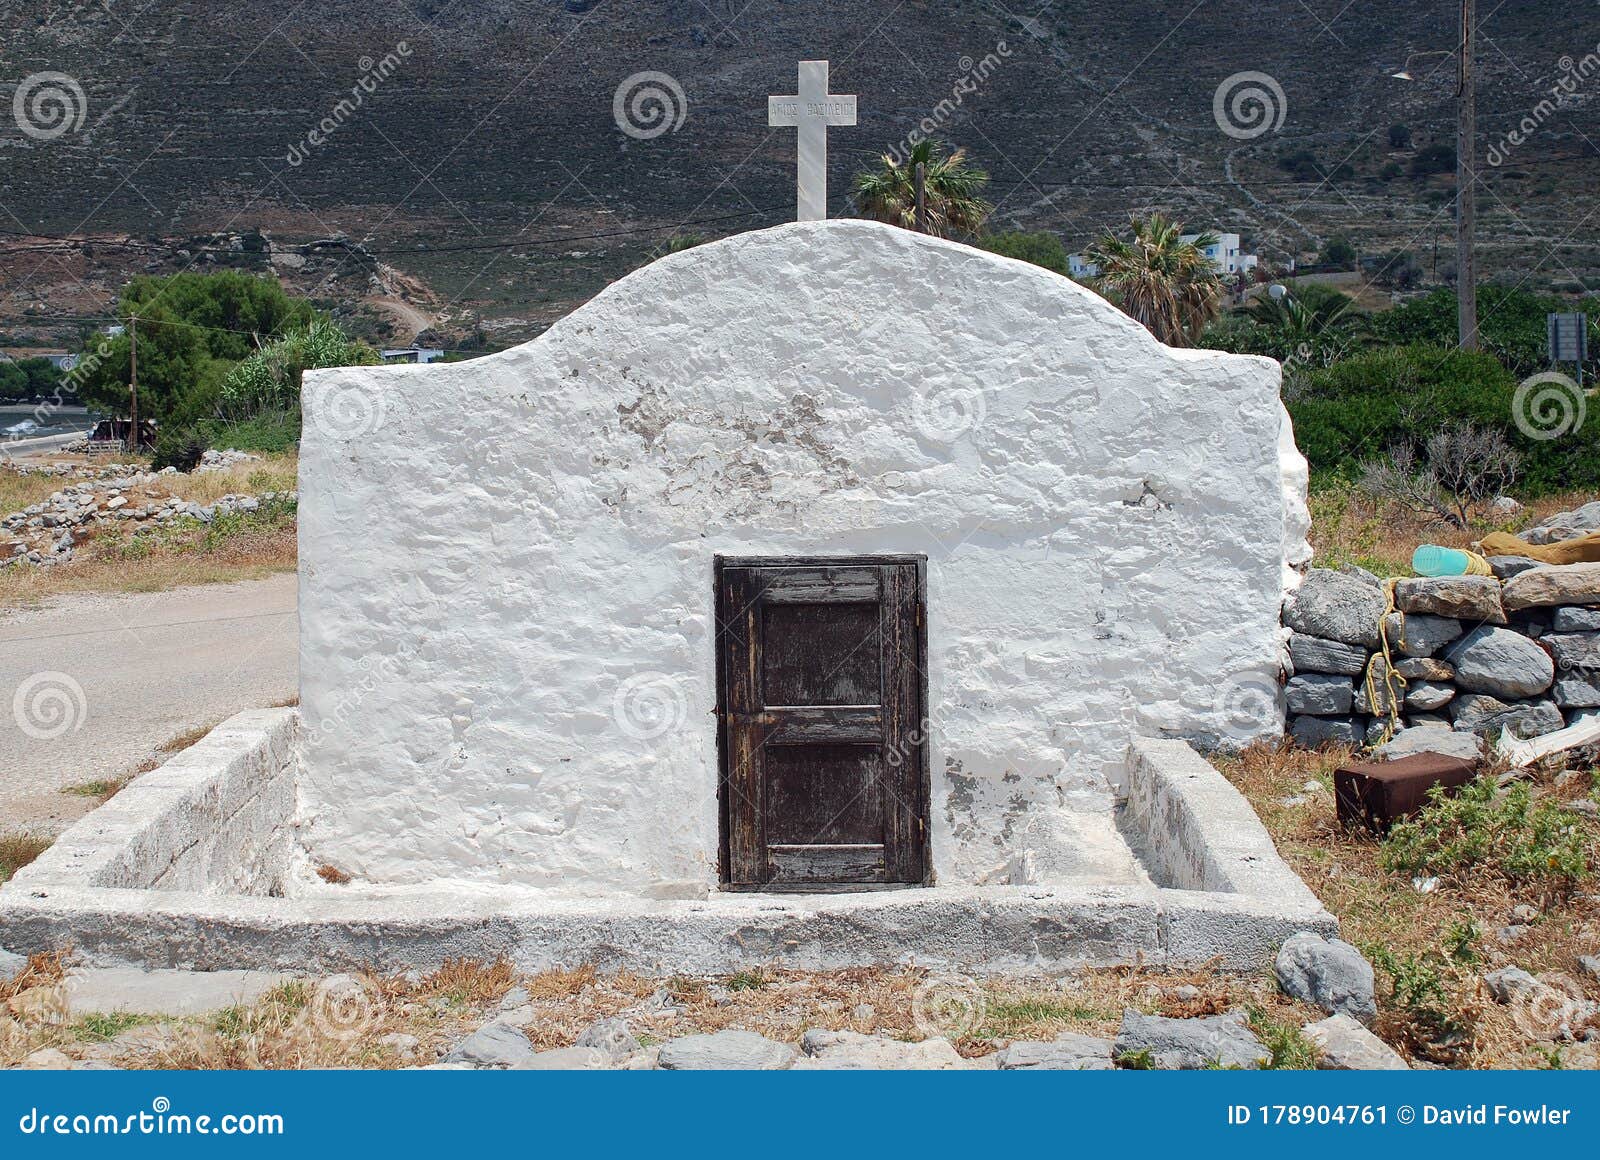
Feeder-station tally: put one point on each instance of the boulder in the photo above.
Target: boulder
(725, 1051)
(1337, 607)
(11, 965)
(1359, 573)
(1429, 695)
(1506, 567)
(1431, 738)
(1380, 685)
(1577, 690)
(1502, 663)
(1507, 983)
(1314, 731)
(1321, 694)
(1330, 973)
(1590, 965)
(492, 1045)
(1553, 584)
(1425, 669)
(566, 1059)
(1569, 619)
(1313, 654)
(1474, 598)
(1565, 525)
(1481, 713)
(1067, 1052)
(1344, 1045)
(1575, 650)
(1190, 1044)
(610, 1037)
(1421, 636)
(852, 1051)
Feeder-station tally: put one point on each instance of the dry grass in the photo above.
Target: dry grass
(332, 875)
(1378, 909)
(1346, 528)
(17, 850)
(299, 1026)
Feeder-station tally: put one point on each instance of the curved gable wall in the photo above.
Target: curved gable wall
(507, 656)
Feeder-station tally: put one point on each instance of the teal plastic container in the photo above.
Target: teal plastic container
(1432, 560)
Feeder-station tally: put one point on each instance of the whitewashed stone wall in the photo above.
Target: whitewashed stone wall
(507, 654)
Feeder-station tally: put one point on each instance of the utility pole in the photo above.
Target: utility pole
(1466, 164)
(133, 383)
(921, 178)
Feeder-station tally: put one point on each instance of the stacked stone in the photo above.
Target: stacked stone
(1518, 651)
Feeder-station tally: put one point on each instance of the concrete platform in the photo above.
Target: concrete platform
(193, 868)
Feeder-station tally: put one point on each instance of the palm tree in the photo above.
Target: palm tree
(952, 191)
(1160, 280)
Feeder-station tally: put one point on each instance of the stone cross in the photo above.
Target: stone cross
(812, 111)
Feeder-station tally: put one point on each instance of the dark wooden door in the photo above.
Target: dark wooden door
(824, 776)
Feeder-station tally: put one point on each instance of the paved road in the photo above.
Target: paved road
(149, 666)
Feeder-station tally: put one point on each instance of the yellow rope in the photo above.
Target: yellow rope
(1394, 684)
(1477, 565)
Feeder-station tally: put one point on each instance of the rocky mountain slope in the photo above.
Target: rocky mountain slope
(474, 144)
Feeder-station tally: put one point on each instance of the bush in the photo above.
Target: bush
(268, 432)
(179, 448)
(1505, 834)
(1370, 403)
(1338, 254)
(1399, 136)
(1431, 159)
(1511, 324)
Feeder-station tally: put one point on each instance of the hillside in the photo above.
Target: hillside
(488, 182)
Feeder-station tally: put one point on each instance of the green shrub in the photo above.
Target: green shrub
(1511, 324)
(1360, 407)
(269, 432)
(179, 447)
(1042, 248)
(1423, 993)
(1504, 833)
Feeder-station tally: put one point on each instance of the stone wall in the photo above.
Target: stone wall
(1518, 651)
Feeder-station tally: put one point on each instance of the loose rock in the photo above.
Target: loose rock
(1190, 1044)
(1430, 738)
(726, 1050)
(492, 1045)
(1068, 1052)
(852, 1051)
(609, 1036)
(1345, 1045)
(1481, 713)
(1331, 974)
